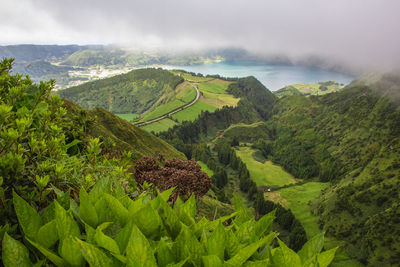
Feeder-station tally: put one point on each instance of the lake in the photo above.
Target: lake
(274, 77)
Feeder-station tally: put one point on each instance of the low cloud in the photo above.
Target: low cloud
(361, 32)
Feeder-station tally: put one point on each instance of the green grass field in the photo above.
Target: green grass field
(162, 110)
(218, 88)
(219, 100)
(205, 169)
(183, 97)
(127, 116)
(298, 196)
(159, 126)
(264, 173)
(191, 113)
(190, 78)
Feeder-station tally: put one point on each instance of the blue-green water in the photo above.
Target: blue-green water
(273, 77)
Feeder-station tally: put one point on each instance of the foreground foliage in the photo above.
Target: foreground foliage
(108, 228)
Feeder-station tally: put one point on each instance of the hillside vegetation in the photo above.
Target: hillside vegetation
(69, 196)
(349, 138)
(135, 92)
(213, 95)
(307, 89)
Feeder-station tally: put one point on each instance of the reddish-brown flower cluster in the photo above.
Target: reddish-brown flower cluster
(187, 176)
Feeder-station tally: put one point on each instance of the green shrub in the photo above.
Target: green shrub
(108, 228)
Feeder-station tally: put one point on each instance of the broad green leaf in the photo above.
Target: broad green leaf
(242, 215)
(164, 254)
(94, 256)
(116, 189)
(138, 251)
(211, 261)
(136, 205)
(47, 235)
(28, 218)
(178, 204)
(213, 224)
(71, 252)
(106, 242)
(245, 253)
(118, 211)
(126, 201)
(244, 231)
(187, 246)
(102, 211)
(187, 211)
(232, 244)
(102, 186)
(284, 256)
(121, 258)
(48, 214)
(179, 264)
(65, 224)
(90, 233)
(201, 226)
(326, 257)
(64, 199)
(86, 209)
(170, 219)
(261, 263)
(75, 211)
(216, 242)
(312, 262)
(49, 254)
(166, 194)
(264, 225)
(123, 237)
(312, 247)
(148, 221)
(14, 253)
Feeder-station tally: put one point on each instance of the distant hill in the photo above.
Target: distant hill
(306, 89)
(350, 138)
(134, 92)
(30, 52)
(119, 135)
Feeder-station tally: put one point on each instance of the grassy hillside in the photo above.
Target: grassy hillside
(352, 138)
(119, 135)
(134, 92)
(263, 173)
(320, 88)
(247, 132)
(213, 95)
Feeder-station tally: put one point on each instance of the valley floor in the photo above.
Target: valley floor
(296, 197)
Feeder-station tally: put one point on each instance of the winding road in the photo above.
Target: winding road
(173, 111)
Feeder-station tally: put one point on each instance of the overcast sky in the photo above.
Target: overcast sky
(364, 31)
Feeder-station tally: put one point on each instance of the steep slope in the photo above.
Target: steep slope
(119, 135)
(351, 138)
(133, 92)
(255, 104)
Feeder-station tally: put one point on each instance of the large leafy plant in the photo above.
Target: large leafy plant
(108, 228)
(41, 149)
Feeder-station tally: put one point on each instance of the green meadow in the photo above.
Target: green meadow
(192, 112)
(205, 169)
(265, 173)
(298, 197)
(127, 116)
(214, 87)
(159, 126)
